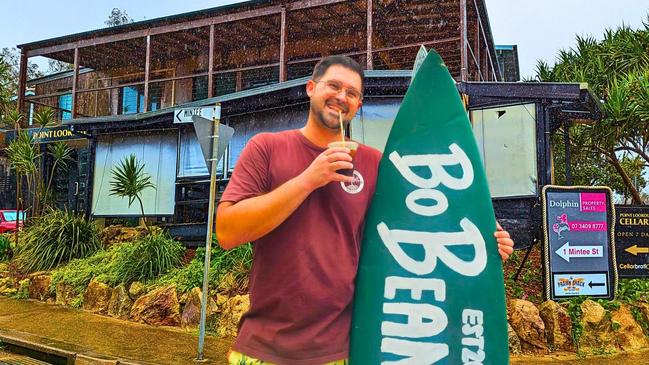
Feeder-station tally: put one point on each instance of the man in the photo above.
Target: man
(306, 222)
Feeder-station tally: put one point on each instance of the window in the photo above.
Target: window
(199, 88)
(133, 98)
(192, 162)
(157, 150)
(506, 139)
(373, 122)
(65, 107)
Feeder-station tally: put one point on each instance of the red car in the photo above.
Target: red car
(8, 221)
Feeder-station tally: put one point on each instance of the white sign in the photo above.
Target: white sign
(567, 284)
(184, 115)
(567, 252)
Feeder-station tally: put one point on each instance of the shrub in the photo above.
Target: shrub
(5, 248)
(78, 273)
(148, 258)
(57, 238)
(234, 263)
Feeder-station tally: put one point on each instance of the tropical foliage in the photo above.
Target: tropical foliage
(129, 180)
(56, 238)
(149, 257)
(617, 71)
(25, 158)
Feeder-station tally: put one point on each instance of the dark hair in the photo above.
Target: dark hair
(323, 65)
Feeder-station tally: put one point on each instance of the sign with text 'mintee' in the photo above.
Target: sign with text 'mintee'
(579, 246)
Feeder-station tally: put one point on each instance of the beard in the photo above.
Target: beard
(326, 118)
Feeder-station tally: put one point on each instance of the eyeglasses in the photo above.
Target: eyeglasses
(336, 87)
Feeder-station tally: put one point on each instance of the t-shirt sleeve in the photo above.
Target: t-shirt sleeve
(250, 176)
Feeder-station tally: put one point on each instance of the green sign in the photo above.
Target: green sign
(430, 286)
(48, 134)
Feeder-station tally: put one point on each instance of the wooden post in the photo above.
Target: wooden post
(22, 81)
(477, 49)
(282, 47)
(147, 69)
(210, 70)
(75, 80)
(463, 42)
(239, 81)
(370, 31)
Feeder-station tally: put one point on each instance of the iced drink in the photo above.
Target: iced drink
(352, 146)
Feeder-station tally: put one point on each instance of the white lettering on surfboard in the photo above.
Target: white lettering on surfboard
(472, 330)
(419, 320)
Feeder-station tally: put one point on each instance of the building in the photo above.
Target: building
(507, 57)
(254, 58)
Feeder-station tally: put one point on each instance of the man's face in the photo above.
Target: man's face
(337, 90)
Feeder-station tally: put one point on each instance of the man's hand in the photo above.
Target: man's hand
(323, 169)
(505, 243)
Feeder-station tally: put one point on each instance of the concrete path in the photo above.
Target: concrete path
(86, 338)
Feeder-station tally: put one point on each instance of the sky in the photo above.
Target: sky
(540, 28)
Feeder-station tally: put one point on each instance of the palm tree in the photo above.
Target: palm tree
(11, 119)
(61, 153)
(617, 71)
(129, 180)
(6, 87)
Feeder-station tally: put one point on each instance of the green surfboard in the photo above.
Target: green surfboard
(430, 284)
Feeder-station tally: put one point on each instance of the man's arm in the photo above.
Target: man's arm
(252, 218)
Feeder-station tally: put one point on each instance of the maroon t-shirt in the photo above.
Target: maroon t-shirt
(302, 276)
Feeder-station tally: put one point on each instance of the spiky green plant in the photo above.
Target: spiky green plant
(6, 251)
(61, 153)
(44, 117)
(148, 258)
(56, 238)
(129, 180)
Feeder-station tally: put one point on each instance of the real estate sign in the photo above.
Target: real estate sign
(579, 245)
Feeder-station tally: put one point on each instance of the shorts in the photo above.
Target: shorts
(237, 358)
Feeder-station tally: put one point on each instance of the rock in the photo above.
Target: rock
(136, 290)
(97, 297)
(6, 283)
(158, 308)
(118, 234)
(4, 269)
(8, 292)
(221, 299)
(192, 312)
(23, 289)
(120, 303)
(231, 313)
(514, 341)
(39, 287)
(558, 326)
(643, 308)
(525, 320)
(65, 294)
(628, 333)
(597, 332)
(184, 297)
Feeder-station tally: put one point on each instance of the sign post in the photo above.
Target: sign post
(213, 149)
(579, 246)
